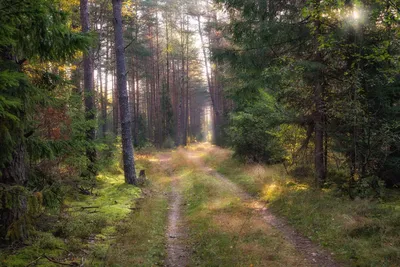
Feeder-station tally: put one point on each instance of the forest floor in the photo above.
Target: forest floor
(202, 207)
(235, 214)
(227, 226)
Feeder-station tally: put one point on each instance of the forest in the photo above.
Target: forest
(199, 133)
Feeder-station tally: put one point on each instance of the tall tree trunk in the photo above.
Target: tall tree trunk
(133, 100)
(14, 173)
(102, 102)
(175, 101)
(90, 109)
(209, 82)
(115, 103)
(186, 117)
(105, 98)
(127, 146)
(319, 135)
(159, 128)
(167, 58)
(319, 106)
(137, 113)
(181, 88)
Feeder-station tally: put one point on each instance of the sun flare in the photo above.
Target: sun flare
(356, 14)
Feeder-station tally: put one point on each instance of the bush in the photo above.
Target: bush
(302, 171)
(253, 131)
(368, 187)
(83, 226)
(49, 241)
(168, 143)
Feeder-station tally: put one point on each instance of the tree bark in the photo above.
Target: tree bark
(209, 82)
(105, 98)
(14, 173)
(127, 146)
(90, 111)
(186, 118)
(115, 103)
(319, 108)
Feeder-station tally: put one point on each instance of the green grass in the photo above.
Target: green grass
(359, 233)
(363, 232)
(111, 199)
(43, 243)
(224, 231)
(140, 239)
(79, 231)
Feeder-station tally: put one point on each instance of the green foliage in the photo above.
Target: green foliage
(354, 59)
(169, 143)
(31, 31)
(109, 156)
(35, 36)
(253, 130)
(368, 187)
(168, 119)
(14, 88)
(142, 133)
(38, 30)
(48, 241)
(67, 233)
(41, 243)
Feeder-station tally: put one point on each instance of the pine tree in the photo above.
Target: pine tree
(31, 31)
(89, 93)
(127, 144)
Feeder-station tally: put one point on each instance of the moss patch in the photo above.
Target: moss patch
(140, 237)
(85, 228)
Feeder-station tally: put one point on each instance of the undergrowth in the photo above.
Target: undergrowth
(85, 227)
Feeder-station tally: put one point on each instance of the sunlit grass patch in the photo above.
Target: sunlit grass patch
(199, 146)
(360, 232)
(225, 231)
(140, 238)
(183, 160)
(113, 197)
(214, 155)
